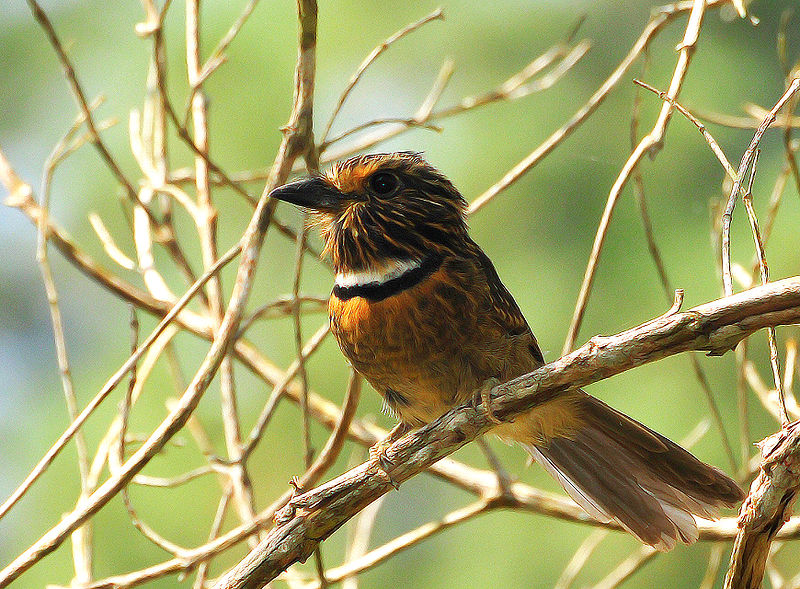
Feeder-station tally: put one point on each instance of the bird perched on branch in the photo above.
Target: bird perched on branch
(419, 310)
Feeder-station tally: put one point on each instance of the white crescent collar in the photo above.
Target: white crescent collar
(377, 276)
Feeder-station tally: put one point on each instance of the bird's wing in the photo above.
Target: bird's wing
(504, 308)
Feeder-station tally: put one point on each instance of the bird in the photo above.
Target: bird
(419, 311)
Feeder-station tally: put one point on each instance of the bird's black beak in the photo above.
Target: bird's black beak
(313, 193)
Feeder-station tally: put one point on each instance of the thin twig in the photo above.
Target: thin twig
(580, 558)
(176, 481)
(148, 532)
(437, 14)
(640, 557)
(280, 388)
(216, 526)
(330, 452)
(305, 430)
(748, 122)
(743, 166)
(127, 401)
(504, 480)
(283, 307)
(712, 143)
(788, 372)
(359, 542)
(405, 541)
(109, 386)
(742, 402)
(308, 451)
(655, 253)
(111, 440)
(107, 240)
(714, 563)
(83, 104)
(650, 144)
(82, 537)
(768, 396)
(747, 199)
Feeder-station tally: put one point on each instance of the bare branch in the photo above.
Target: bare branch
(640, 557)
(405, 541)
(83, 104)
(580, 558)
(111, 383)
(374, 54)
(650, 144)
(515, 87)
(767, 507)
(747, 158)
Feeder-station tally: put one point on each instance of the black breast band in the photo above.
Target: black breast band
(378, 291)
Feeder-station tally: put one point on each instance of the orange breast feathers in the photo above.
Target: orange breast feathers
(380, 331)
(415, 342)
(434, 314)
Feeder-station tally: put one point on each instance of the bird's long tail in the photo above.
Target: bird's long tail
(618, 469)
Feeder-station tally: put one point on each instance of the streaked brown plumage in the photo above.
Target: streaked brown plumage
(421, 313)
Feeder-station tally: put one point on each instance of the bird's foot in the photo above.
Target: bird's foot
(483, 397)
(377, 453)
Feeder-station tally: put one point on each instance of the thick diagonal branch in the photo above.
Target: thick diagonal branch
(715, 327)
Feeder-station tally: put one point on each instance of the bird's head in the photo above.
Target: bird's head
(372, 209)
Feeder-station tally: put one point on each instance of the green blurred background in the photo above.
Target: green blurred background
(538, 233)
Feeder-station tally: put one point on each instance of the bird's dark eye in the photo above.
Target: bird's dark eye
(383, 183)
